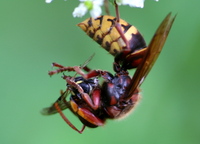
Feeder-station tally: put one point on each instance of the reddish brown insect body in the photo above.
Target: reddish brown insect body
(92, 102)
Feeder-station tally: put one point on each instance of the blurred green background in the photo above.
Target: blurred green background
(34, 34)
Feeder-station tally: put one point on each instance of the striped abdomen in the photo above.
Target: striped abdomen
(103, 31)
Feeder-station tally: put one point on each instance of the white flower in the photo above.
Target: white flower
(94, 6)
(80, 10)
(132, 3)
(96, 11)
(48, 1)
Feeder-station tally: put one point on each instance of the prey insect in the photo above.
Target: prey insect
(93, 103)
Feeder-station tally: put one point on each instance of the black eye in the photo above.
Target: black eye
(118, 86)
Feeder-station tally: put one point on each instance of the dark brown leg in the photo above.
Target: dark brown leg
(118, 26)
(106, 5)
(117, 12)
(61, 69)
(91, 74)
(56, 105)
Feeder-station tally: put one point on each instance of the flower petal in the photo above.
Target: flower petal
(80, 10)
(96, 11)
(48, 1)
(98, 2)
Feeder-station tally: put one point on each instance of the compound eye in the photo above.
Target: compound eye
(120, 89)
(118, 86)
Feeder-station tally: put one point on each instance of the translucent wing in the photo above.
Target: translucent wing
(152, 53)
(87, 61)
(61, 101)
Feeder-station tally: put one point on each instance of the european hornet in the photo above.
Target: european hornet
(116, 97)
(93, 103)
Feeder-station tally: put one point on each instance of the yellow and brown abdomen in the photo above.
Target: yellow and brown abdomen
(103, 31)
